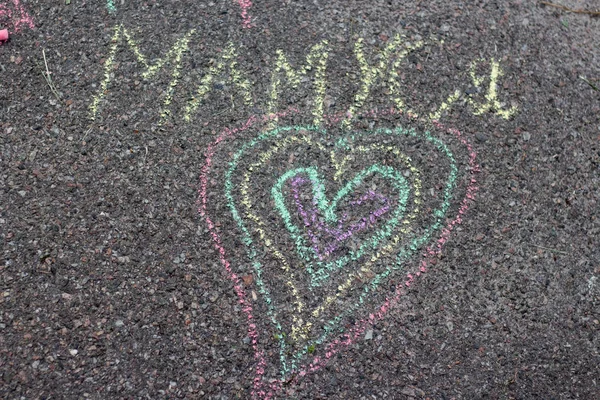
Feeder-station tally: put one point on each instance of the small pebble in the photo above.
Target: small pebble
(481, 137)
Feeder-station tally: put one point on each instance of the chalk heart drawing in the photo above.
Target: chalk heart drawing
(326, 217)
(328, 209)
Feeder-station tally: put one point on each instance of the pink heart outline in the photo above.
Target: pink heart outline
(336, 345)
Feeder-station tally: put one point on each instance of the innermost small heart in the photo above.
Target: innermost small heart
(317, 229)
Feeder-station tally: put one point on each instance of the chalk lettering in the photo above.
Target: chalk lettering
(228, 60)
(492, 103)
(173, 56)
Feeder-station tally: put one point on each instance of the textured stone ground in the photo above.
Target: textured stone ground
(161, 185)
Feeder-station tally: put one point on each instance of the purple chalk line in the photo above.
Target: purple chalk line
(339, 233)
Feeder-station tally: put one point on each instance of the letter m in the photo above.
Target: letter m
(172, 57)
(316, 60)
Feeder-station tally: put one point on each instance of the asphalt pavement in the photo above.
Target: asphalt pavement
(279, 199)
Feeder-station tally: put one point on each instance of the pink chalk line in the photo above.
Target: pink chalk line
(23, 17)
(336, 345)
(237, 283)
(245, 5)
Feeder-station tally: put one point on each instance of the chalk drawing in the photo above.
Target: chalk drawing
(260, 228)
(173, 57)
(445, 106)
(316, 57)
(318, 275)
(492, 103)
(381, 70)
(15, 17)
(370, 74)
(344, 241)
(318, 230)
(385, 231)
(228, 60)
(110, 6)
(245, 5)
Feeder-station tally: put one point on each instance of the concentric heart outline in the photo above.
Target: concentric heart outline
(298, 329)
(331, 325)
(251, 251)
(271, 389)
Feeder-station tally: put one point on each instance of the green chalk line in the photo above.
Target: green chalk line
(110, 5)
(404, 254)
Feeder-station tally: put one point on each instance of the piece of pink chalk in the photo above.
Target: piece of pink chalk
(3, 34)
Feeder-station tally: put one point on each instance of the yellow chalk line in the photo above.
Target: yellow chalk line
(492, 102)
(445, 105)
(228, 58)
(298, 329)
(108, 64)
(317, 56)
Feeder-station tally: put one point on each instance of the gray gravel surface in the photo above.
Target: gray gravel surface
(110, 282)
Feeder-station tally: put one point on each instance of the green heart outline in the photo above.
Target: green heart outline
(330, 326)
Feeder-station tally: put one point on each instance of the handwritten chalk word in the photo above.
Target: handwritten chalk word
(15, 15)
(245, 5)
(315, 340)
(383, 71)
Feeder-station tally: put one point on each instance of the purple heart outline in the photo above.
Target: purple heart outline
(317, 229)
